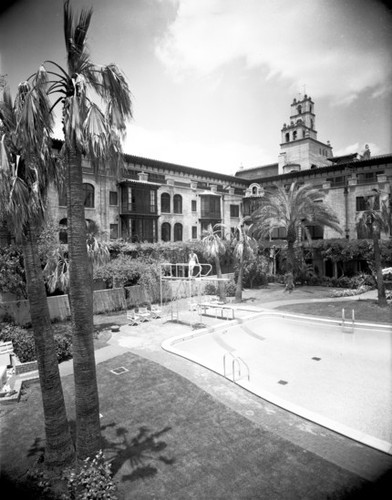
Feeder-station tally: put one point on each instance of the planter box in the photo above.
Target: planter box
(20, 368)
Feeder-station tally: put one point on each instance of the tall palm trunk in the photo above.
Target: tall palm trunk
(382, 300)
(221, 284)
(238, 289)
(59, 449)
(88, 435)
(290, 255)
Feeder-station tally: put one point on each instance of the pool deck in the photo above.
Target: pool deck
(146, 339)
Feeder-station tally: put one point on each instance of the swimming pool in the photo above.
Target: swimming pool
(337, 376)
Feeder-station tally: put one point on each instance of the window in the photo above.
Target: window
(279, 233)
(165, 231)
(210, 206)
(234, 210)
(287, 136)
(63, 197)
(139, 230)
(177, 232)
(165, 203)
(299, 109)
(63, 237)
(194, 232)
(113, 231)
(88, 195)
(177, 204)
(113, 198)
(294, 135)
(365, 203)
(316, 232)
(194, 206)
(152, 201)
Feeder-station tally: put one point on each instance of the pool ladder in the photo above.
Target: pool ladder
(236, 363)
(347, 325)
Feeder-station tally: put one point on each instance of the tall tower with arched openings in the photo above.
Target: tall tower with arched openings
(300, 149)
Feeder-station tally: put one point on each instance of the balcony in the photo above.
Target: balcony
(210, 215)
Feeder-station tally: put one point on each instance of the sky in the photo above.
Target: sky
(213, 80)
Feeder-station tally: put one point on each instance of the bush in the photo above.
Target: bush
(63, 346)
(349, 292)
(230, 288)
(210, 289)
(22, 341)
(92, 480)
(24, 345)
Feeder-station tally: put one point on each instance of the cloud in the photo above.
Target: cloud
(358, 148)
(165, 145)
(336, 48)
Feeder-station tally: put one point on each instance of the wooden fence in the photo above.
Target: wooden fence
(114, 299)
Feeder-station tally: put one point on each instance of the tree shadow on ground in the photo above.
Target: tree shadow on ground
(141, 452)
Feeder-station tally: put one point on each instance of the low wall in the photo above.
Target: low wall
(113, 299)
(27, 367)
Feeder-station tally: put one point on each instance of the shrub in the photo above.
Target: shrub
(24, 345)
(22, 341)
(92, 480)
(349, 292)
(230, 288)
(63, 346)
(210, 289)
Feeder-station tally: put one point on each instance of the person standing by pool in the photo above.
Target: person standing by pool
(193, 261)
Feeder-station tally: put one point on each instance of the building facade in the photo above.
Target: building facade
(150, 201)
(347, 181)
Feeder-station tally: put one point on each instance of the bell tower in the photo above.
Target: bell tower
(300, 149)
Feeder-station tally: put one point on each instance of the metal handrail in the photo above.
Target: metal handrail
(345, 324)
(236, 360)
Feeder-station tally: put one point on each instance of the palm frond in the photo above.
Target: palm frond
(116, 92)
(95, 131)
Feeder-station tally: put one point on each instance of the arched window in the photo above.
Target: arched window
(165, 232)
(299, 109)
(88, 195)
(165, 203)
(177, 204)
(294, 135)
(254, 190)
(287, 137)
(177, 232)
(63, 236)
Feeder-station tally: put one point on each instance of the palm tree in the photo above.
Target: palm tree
(26, 168)
(294, 209)
(244, 249)
(214, 248)
(372, 222)
(56, 270)
(93, 132)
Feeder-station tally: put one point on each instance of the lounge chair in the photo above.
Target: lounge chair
(144, 314)
(156, 312)
(133, 318)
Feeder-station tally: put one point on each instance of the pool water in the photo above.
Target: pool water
(338, 377)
